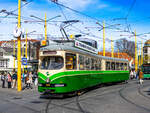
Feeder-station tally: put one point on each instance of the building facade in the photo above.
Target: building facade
(7, 57)
(146, 52)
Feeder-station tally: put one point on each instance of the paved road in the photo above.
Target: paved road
(120, 98)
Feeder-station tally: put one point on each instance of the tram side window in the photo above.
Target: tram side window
(122, 66)
(125, 66)
(92, 64)
(70, 61)
(113, 66)
(81, 62)
(98, 64)
(117, 66)
(87, 63)
(107, 65)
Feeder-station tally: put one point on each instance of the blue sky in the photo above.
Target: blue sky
(108, 10)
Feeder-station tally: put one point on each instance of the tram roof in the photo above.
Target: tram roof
(69, 46)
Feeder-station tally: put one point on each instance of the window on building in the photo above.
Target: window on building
(145, 50)
(71, 62)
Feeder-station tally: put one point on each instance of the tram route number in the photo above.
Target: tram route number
(47, 84)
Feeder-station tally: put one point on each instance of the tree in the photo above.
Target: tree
(125, 46)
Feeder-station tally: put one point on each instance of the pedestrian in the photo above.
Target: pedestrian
(3, 78)
(9, 80)
(23, 77)
(137, 74)
(30, 80)
(14, 79)
(36, 78)
(131, 75)
(140, 76)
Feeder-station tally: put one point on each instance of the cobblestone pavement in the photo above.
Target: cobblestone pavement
(120, 98)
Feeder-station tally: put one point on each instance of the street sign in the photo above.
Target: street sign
(24, 61)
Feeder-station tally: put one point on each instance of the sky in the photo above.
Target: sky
(124, 17)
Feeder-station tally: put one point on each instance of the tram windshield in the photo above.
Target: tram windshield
(52, 63)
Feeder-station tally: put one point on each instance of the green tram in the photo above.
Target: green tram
(73, 66)
(146, 71)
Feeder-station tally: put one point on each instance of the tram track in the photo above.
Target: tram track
(80, 108)
(121, 94)
(47, 106)
(111, 89)
(142, 94)
(78, 99)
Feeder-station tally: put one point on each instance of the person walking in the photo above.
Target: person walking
(35, 78)
(28, 80)
(9, 80)
(14, 79)
(131, 75)
(3, 78)
(140, 76)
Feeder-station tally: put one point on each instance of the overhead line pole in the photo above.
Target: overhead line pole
(26, 48)
(118, 53)
(112, 48)
(14, 53)
(103, 38)
(139, 58)
(136, 60)
(45, 28)
(19, 88)
(142, 53)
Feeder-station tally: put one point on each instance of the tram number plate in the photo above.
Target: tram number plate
(47, 84)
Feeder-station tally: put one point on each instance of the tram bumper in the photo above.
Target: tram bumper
(51, 88)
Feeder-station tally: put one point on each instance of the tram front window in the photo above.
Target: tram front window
(52, 63)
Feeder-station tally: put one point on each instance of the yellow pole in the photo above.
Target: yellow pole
(136, 60)
(23, 51)
(112, 48)
(142, 53)
(14, 54)
(26, 47)
(118, 53)
(139, 58)
(103, 38)
(45, 28)
(23, 56)
(19, 49)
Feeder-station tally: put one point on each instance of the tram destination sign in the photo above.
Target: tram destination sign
(84, 46)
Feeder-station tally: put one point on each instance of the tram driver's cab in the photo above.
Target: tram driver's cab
(52, 63)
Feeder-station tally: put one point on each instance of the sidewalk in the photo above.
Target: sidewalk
(13, 92)
(25, 101)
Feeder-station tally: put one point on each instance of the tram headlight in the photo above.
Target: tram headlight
(40, 85)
